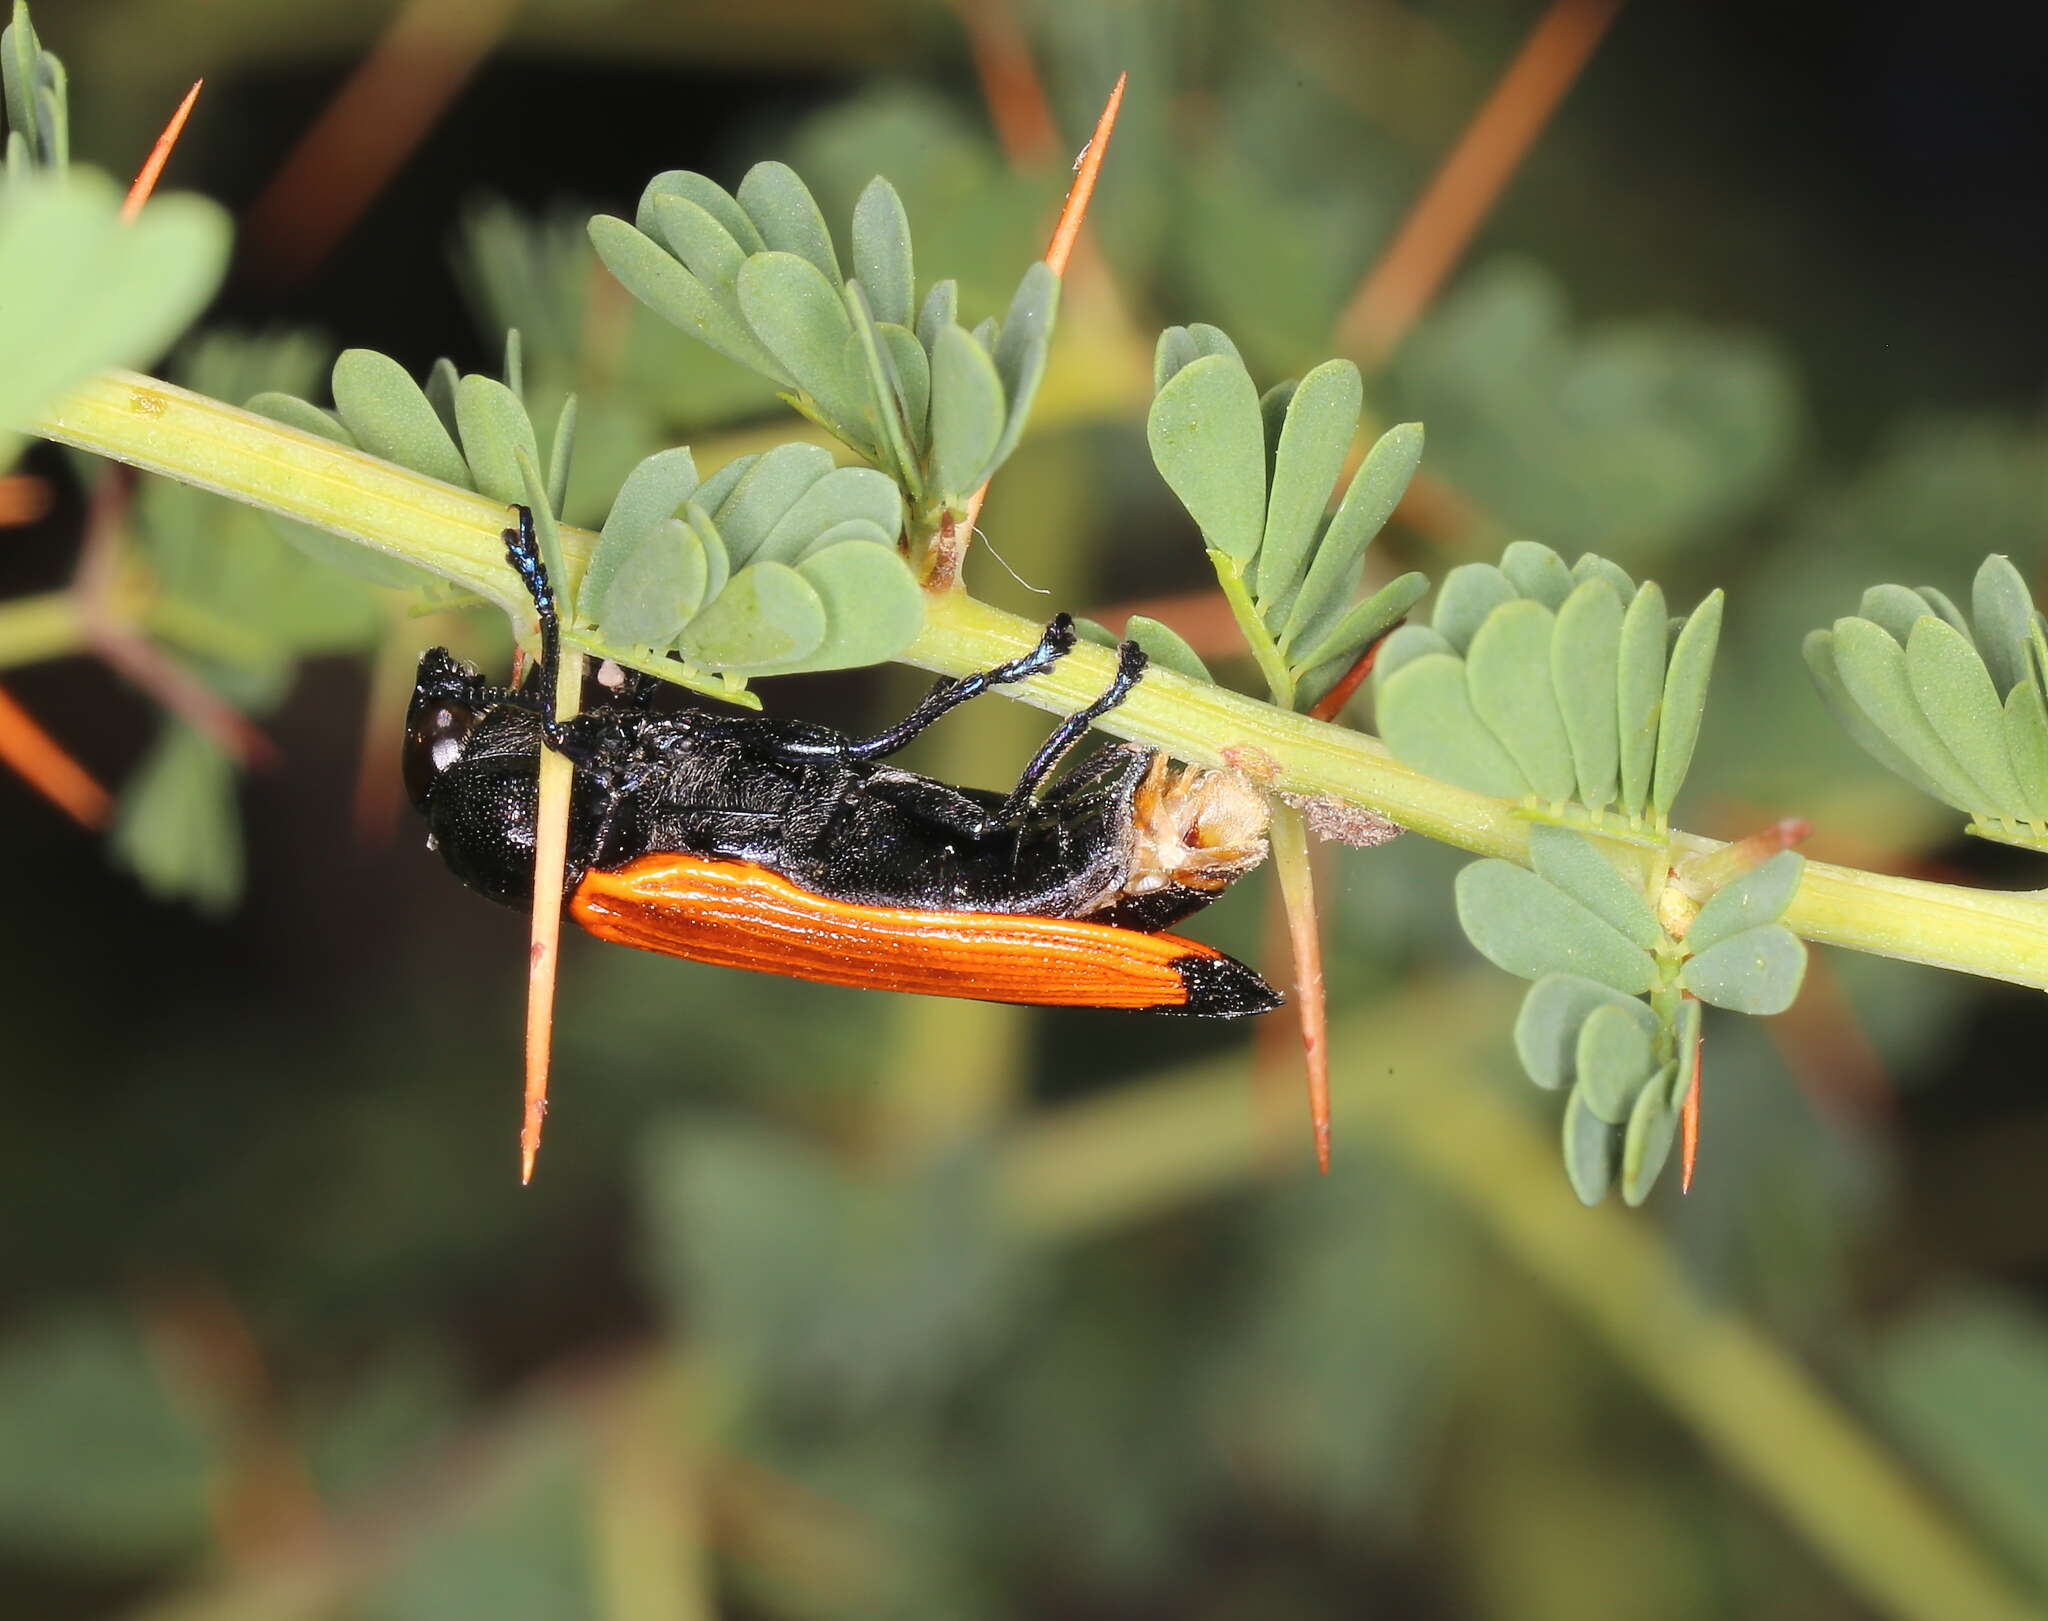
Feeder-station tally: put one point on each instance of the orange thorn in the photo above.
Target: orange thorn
(550, 856)
(1441, 224)
(40, 761)
(159, 155)
(1689, 1122)
(23, 499)
(949, 546)
(1086, 168)
(1331, 704)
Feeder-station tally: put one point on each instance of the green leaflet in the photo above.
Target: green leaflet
(1955, 693)
(1404, 646)
(1552, 1014)
(1021, 346)
(388, 415)
(1684, 701)
(1536, 571)
(1365, 622)
(1639, 693)
(2003, 609)
(882, 253)
(1376, 489)
(653, 588)
(842, 495)
(1181, 346)
(1575, 865)
(1819, 651)
(1507, 673)
(873, 607)
(1652, 1125)
(1756, 971)
(294, 412)
(1585, 654)
(80, 290)
(2026, 743)
(706, 248)
(655, 278)
(770, 486)
(1531, 928)
(1872, 667)
(1591, 1150)
(777, 201)
(175, 827)
(1895, 608)
(494, 429)
(1166, 648)
(652, 492)
(1468, 594)
(1209, 445)
(1758, 897)
(1426, 718)
(1322, 417)
(966, 414)
(768, 615)
(1613, 1063)
(708, 195)
(798, 315)
(1592, 566)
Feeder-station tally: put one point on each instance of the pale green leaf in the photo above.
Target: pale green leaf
(1685, 701)
(1756, 971)
(1758, 897)
(1209, 446)
(1585, 654)
(1531, 928)
(1426, 718)
(768, 616)
(1507, 672)
(1574, 863)
(1547, 1028)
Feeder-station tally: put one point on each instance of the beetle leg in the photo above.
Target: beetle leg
(946, 695)
(522, 551)
(1130, 669)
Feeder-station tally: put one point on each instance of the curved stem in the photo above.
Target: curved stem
(454, 533)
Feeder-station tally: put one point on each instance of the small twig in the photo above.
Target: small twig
(159, 155)
(109, 633)
(949, 545)
(1297, 890)
(1010, 87)
(1441, 224)
(544, 949)
(364, 135)
(36, 757)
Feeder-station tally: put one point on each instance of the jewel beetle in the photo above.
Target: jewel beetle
(791, 848)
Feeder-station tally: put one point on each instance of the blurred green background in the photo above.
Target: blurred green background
(826, 1305)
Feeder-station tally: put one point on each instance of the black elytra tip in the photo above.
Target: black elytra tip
(1222, 988)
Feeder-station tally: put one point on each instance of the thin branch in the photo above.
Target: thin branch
(949, 546)
(36, 757)
(1441, 224)
(544, 937)
(454, 533)
(113, 636)
(1010, 88)
(363, 137)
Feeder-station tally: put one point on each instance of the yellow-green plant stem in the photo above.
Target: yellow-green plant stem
(1412, 1088)
(454, 533)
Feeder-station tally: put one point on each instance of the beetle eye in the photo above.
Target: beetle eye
(435, 733)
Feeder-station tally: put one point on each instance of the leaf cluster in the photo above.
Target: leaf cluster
(1613, 1017)
(1958, 708)
(81, 288)
(1258, 473)
(893, 375)
(1554, 686)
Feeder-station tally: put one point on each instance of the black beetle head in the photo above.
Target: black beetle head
(448, 699)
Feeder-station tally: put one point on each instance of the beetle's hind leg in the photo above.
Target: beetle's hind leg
(1130, 669)
(946, 695)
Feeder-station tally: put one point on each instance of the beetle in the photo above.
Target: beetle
(788, 847)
